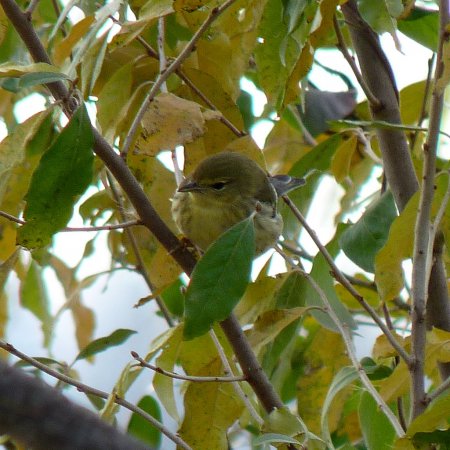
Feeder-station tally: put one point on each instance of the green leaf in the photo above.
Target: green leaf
(436, 415)
(290, 294)
(219, 279)
(64, 173)
(32, 79)
(101, 344)
(139, 427)
(33, 296)
(173, 298)
(422, 440)
(321, 274)
(363, 240)
(269, 438)
(342, 379)
(422, 26)
(377, 430)
(319, 158)
(10, 70)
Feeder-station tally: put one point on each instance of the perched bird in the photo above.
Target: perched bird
(225, 189)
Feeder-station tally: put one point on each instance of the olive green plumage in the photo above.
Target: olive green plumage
(225, 189)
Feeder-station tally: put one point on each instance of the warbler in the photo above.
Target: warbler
(225, 189)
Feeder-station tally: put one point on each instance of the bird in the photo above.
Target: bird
(225, 189)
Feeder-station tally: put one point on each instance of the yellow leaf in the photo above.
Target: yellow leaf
(399, 246)
(170, 343)
(163, 269)
(270, 324)
(340, 164)
(113, 99)
(382, 347)
(17, 70)
(217, 136)
(210, 409)
(169, 121)
(284, 146)
(282, 421)
(397, 384)
(247, 146)
(258, 297)
(65, 47)
(324, 357)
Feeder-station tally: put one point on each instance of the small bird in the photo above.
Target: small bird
(225, 189)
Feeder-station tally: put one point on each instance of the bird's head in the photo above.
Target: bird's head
(227, 177)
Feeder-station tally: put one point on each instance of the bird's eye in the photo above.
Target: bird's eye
(219, 185)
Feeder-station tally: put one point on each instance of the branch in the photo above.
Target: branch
(117, 226)
(438, 391)
(176, 63)
(40, 417)
(137, 253)
(152, 53)
(178, 376)
(424, 232)
(150, 218)
(352, 354)
(378, 76)
(351, 62)
(340, 277)
(93, 391)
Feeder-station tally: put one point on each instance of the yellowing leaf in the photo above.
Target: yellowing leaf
(65, 47)
(169, 121)
(112, 100)
(270, 324)
(17, 70)
(163, 269)
(399, 246)
(210, 409)
(383, 349)
(325, 356)
(340, 164)
(170, 343)
(397, 384)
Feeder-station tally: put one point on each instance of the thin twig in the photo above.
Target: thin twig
(93, 391)
(237, 387)
(438, 391)
(423, 109)
(352, 354)
(346, 283)
(161, 50)
(424, 233)
(31, 7)
(152, 53)
(137, 253)
(342, 46)
(215, 13)
(117, 226)
(400, 407)
(178, 376)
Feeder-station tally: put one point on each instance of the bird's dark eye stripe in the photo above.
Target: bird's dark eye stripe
(219, 185)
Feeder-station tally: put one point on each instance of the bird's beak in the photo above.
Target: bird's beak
(188, 185)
